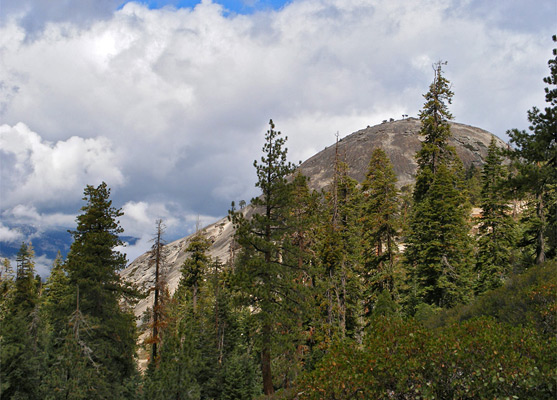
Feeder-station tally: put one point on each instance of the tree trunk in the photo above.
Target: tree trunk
(266, 361)
(540, 239)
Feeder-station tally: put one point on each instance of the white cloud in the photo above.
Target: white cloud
(170, 106)
(43, 265)
(9, 235)
(28, 215)
(39, 172)
(141, 246)
(139, 217)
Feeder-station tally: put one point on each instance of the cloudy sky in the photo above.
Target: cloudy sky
(168, 101)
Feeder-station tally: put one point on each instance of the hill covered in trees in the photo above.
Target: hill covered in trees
(366, 288)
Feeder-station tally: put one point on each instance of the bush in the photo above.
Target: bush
(399, 359)
(526, 299)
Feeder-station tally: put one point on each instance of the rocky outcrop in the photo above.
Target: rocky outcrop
(400, 140)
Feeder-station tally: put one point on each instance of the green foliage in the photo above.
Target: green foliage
(339, 253)
(435, 117)
(7, 283)
(473, 178)
(206, 353)
(95, 328)
(529, 298)
(262, 273)
(402, 359)
(195, 266)
(497, 230)
(439, 249)
(21, 330)
(380, 221)
(535, 159)
(438, 252)
(26, 290)
(385, 306)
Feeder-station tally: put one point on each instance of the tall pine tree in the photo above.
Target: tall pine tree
(535, 158)
(438, 250)
(497, 228)
(380, 221)
(92, 266)
(267, 282)
(20, 369)
(157, 259)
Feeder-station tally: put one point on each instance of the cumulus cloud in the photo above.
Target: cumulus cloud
(139, 217)
(9, 235)
(38, 172)
(170, 106)
(28, 215)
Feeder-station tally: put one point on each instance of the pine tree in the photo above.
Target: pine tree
(20, 367)
(438, 249)
(260, 272)
(535, 158)
(473, 178)
(380, 221)
(195, 266)
(175, 377)
(57, 295)
(339, 250)
(7, 282)
(435, 117)
(92, 266)
(158, 255)
(299, 252)
(496, 229)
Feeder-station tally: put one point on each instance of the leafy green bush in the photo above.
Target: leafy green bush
(528, 298)
(400, 359)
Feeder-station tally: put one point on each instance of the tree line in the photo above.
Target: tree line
(362, 290)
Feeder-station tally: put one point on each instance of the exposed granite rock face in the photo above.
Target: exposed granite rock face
(142, 273)
(400, 140)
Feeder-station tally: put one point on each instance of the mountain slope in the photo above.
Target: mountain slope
(400, 140)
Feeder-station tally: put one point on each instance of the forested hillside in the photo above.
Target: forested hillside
(364, 289)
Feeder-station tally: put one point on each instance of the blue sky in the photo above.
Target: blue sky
(169, 105)
(235, 6)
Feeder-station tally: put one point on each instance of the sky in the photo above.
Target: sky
(168, 101)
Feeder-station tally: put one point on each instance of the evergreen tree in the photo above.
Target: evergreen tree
(157, 255)
(535, 157)
(20, 367)
(175, 377)
(380, 221)
(57, 297)
(496, 229)
(7, 281)
(435, 117)
(92, 266)
(473, 178)
(206, 354)
(195, 266)
(339, 250)
(260, 272)
(438, 247)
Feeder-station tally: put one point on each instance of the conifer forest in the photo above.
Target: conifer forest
(363, 290)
